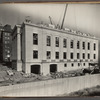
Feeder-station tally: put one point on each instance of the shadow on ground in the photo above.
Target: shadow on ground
(94, 91)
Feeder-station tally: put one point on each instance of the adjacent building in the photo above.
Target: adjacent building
(1, 29)
(44, 49)
(5, 52)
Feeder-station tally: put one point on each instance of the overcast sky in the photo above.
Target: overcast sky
(83, 17)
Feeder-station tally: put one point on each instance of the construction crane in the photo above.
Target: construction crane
(50, 20)
(64, 16)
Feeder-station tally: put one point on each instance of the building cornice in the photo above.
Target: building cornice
(59, 30)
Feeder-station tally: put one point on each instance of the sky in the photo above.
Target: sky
(82, 17)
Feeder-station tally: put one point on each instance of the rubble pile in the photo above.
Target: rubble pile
(11, 77)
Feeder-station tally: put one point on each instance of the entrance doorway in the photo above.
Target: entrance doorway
(35, 69)
(53, 68)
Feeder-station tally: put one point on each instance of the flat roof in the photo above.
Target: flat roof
(60, 30)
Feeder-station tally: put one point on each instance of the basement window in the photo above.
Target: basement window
(65, 65)
(48, 54)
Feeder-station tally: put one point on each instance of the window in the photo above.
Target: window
(64, 43)
(57, 41)
(71, 44)
(94, 56)
(57, 55)
(5, 37)
(71, 55)
(78, 64)
(35, 38)
(88, 56)
(6, 42)
(64, 55)
(48, 41)
(88, 46)
(83, 45)
(83, 55)
(5, 33)
(8, 34)
(65, 65)
(78, 44)
(8, 38)
(83, 64)
(8, 51)
(78, 56)
(35, 54)
(94, 46)
(72, 64)
(48, 55)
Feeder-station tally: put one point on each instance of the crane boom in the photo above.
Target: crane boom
(64, 16)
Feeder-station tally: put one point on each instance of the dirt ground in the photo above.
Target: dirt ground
(17, 77)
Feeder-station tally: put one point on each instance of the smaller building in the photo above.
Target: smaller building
(1, 29)
(5, 51)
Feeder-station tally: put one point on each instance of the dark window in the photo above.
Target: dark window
(94, 46)
(78, 64)
(57, 41)
(35, 54)
(48, 55)
(94, 56)
(83, 64)
(83, 45)
(78, 44)
(57, 55)
(72, 64)
(64, 55)
(35, 38)
(64, 43)
(65, 65)
(48, 41)
(88, 56)
(88, 46)
(71, 44)
(83, 55)
(78, 56)
(71, 55)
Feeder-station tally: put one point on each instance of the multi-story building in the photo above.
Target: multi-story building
(1, 29)
(44, 49)
(6, 43)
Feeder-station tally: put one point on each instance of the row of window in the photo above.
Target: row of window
(79, 64)
(35, 42)
(7, 42)
(7, 34)
(35, 55)
(7, 38)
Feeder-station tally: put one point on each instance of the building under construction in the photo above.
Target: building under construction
(43, 49)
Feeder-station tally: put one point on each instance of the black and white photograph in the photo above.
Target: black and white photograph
(49, 49)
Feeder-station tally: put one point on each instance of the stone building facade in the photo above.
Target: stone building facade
(44, 49)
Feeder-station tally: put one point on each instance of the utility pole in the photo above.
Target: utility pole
(64, 16)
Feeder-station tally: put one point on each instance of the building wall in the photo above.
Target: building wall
(51, 87)
(28, 47)
(6, 43)
(16, 49)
